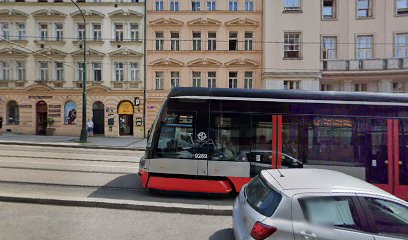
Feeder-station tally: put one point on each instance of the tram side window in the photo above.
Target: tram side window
(231, 136)
(176, 138)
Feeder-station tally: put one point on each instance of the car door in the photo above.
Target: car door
(328, 216)
(388, 217)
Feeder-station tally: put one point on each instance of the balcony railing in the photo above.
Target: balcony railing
(365, 64)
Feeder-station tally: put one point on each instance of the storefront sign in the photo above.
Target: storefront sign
(125, 108)
(55, 106)
(54, 115)
(39, 97)
(54, 110)
(139, 121)
(25, 106)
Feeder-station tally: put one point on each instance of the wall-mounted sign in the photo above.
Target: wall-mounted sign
(139, 121)
(150, 107)
(111, 120)
(137, 101)
(25, 106)
(109, 109)
(54, 106)
(54, 110)
(125, 108)
(39, 97)
(54, 115)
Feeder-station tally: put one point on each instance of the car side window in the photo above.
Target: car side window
(390, 219)
(336, 211)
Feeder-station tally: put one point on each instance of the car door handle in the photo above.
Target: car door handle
(308, 234)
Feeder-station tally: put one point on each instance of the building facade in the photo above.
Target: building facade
(41, 66)
(356, 45)
(201, 43)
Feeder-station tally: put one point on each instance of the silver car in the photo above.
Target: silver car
(317, 204)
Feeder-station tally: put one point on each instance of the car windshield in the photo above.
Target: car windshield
(262, 197)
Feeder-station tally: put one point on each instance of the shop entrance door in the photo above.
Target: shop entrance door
(41, 117)
(125, 125)
(98, 118)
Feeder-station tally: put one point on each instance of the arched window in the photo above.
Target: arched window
(13, 113)
(70, 114)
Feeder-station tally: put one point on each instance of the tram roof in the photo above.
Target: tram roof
(394, 99)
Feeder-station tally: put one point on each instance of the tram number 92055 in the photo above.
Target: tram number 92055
(200, 156)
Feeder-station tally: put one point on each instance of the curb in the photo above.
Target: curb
(69, 146)
(139, 206)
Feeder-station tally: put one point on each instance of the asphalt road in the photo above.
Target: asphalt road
(30, 221)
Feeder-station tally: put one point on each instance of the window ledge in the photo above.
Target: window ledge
(401, 14)
(365, 18)
(301, 58)
(329, 19)
(293, 11)
(125, 42)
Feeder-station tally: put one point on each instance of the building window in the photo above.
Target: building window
(326, 87)
(398, 87)
(248, 80)
(401, 7)
(70, 113)
(174, 5)
(5, 70)
(134, 71)
(21, 71)
(195, 5)
(80, 71)
(249, 39)
(233, 41)
(196, 79)
(211, 5)
(401, 45)
(97, 31)
(364, 8)
(291, 5)
(134, 32)
(233, 79)
(43, 31)
(329, 9)
(249, 5)
(13, 113)
(291, 85)
(360, 87)
(21, 34)
(119, 32)
(5, 31)
(44, 71)
(292, 46)
(97, 71)
(212, 41)
(59, 32)
(119, 69)
(364, 47)
(197, 41)
(159, 80)
(329, 48)
(159, 5)
(81, 31)
(175, 79)
(159, 41)
(233, 5)
(175, 41)
(59, 71)
(212, 79)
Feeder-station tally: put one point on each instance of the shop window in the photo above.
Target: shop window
(70, 114)
(13, 113)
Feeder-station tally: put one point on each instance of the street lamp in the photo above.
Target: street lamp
(84, 134)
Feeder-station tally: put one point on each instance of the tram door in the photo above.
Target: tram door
(388, 166)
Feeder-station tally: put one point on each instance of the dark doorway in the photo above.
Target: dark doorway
(126, 125)
(98, 118)
(41, 122)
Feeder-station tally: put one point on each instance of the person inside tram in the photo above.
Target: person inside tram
(262, 143)
(227, 148)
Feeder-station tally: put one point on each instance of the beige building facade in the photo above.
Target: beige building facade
(356, 45)
(201, 44)
(41, 66)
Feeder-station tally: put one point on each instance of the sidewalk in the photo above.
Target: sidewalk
(118, 143)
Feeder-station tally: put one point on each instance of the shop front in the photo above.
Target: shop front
(125, 111)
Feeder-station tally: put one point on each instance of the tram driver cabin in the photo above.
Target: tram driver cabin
(215, 140)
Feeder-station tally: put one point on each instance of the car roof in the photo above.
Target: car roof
(294, 181)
